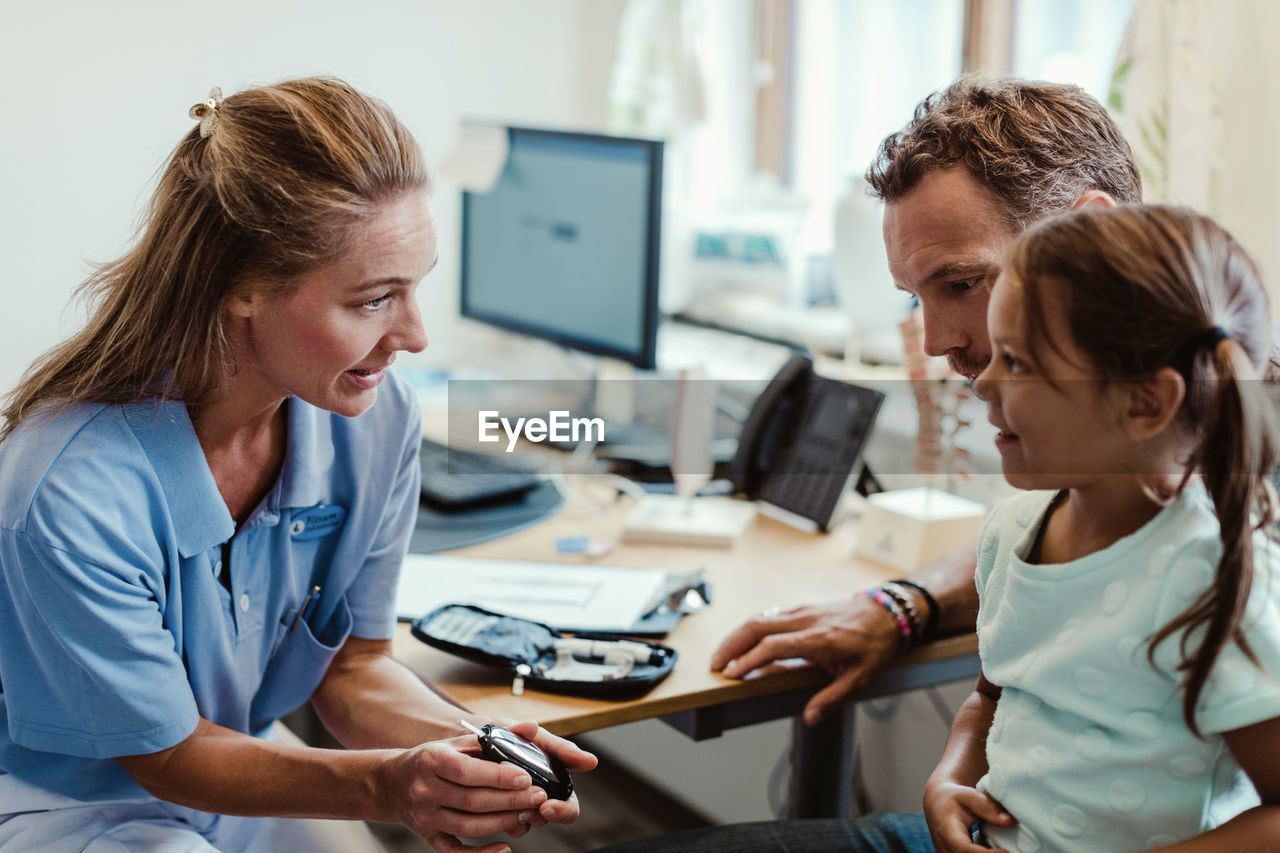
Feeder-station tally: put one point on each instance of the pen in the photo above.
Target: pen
(308, 604)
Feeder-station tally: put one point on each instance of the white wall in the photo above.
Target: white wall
(96, 95)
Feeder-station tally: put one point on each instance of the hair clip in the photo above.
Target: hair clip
(207, 112)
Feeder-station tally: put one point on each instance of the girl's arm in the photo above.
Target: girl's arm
(952, 803)
(1257, 750)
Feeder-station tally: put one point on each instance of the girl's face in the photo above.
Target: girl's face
(1050, 437)
(330, 340)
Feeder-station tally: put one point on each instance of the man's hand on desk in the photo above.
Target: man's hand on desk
(850, 639)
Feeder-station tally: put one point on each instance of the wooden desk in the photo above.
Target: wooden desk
(772, 564)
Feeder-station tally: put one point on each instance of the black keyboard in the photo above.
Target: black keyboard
(457, 479)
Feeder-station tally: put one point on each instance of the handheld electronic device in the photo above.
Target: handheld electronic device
(546, 771)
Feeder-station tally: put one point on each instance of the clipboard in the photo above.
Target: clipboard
(571, 597)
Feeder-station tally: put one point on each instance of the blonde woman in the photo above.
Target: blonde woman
(205, 496)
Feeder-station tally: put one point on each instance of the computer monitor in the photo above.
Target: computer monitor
(564, 247)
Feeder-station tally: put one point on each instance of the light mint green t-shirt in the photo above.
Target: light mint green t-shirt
(1088, 749)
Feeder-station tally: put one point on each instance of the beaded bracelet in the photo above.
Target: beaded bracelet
(905, 638)
(930, 624)
(899, 594)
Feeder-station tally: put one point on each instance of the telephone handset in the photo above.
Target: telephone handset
(803, 440)
(764, 429)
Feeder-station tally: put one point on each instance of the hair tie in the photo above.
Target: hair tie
(206, 112)
(1214, 335)
(1185, 355)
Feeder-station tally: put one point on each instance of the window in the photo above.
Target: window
(1069, 41)
(861, 66)
(799, 95)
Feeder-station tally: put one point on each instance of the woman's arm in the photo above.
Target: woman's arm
(368, 700)
(439, 790)
(1257, 750)
(952, 802)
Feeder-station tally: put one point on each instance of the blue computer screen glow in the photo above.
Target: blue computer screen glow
(565, 245)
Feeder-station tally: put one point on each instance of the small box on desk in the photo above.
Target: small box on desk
(907, 528)
(715, 521)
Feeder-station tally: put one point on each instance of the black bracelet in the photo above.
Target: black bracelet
(931, 624)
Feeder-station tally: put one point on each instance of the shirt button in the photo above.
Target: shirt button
(217, 569)
(244, 603)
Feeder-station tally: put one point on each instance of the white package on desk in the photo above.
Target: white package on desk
(909, 528)
(714, 521)
(589, 597)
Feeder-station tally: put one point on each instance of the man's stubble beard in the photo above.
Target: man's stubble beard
(966, 365)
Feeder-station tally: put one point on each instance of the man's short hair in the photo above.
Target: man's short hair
(1037, 146)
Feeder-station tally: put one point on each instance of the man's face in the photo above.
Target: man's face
(945, 240)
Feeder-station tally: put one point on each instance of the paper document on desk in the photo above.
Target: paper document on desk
(563, 595)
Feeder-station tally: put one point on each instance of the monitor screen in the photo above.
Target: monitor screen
(564, 247)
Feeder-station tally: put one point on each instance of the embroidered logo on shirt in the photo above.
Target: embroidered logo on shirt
(318, 521)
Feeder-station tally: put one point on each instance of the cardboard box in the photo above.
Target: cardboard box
(908, 528)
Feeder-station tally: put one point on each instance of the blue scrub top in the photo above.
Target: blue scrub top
(115, 629)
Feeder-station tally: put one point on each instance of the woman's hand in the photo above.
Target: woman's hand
(444, 791)
(575, 759)
(951, 809)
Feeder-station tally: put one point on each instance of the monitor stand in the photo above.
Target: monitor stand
(636, 408)
(615, 391)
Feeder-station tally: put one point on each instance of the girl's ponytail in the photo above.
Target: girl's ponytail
(1236, 454)
(1151, 287)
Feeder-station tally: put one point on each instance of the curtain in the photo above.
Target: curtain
(1196, 90)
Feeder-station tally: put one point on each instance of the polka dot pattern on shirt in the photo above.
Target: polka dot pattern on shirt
(1126, 796)
(1088, 748)
(1069, 821)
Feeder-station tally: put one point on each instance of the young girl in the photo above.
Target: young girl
(1129, 624)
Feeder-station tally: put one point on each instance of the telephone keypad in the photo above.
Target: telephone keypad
(824, 448)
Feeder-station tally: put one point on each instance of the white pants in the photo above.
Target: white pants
(36, 821)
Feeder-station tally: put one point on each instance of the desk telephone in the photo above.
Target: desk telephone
(803, 440)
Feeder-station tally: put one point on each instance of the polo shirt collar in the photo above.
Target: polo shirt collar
(200, 516)
(304, 481)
